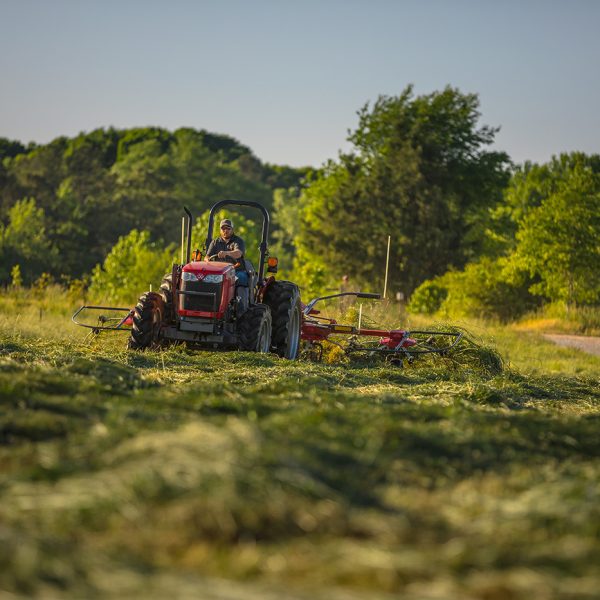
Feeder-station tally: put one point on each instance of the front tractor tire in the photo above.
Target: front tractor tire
(283, 298)
(254, 330)
(148, 318)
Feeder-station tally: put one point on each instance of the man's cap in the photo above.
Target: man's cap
(226, 222)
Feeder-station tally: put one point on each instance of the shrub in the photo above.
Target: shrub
(558, 242)
(486, 289)
(133, 264)
(16, 277)
(428, 297)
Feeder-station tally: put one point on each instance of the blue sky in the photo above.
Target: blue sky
(287, 78)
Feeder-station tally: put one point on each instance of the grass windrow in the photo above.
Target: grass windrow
(251, 476)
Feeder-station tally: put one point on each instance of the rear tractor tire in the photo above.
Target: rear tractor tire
(283, 298)
(148, 319)
(255, 328)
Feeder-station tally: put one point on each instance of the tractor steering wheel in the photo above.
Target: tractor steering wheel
(213, 258)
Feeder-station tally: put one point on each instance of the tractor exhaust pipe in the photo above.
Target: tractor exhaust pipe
(189, 235)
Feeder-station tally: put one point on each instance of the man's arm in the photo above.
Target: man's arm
(237, 252)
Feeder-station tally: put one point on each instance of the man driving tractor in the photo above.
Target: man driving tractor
(231, 248)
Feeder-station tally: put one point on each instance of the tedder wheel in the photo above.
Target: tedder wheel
(166, 293)
(283, 298)
(255, 329)
(148, 318)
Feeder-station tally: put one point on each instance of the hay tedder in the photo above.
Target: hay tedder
(395, 345)
(200, 303)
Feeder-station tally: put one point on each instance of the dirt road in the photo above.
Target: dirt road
(582, 342)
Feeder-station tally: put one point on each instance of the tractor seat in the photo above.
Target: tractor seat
(252, 274)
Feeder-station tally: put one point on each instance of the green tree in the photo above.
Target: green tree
(284, 177)
(97, 186)
(70, 180)
(88, 220)
(544, 244)
(35, 174)
(131, 267)
(10, 148)
(145, 180)
(310, 273)
(287, 208)
(530, 184)
(23, 241)
(419, 172)
(130, 138)
(485, 288)
(558, 241)
(202, 175)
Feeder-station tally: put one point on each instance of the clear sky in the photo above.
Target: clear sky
(287, 77)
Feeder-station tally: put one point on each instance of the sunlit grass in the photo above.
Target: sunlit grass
(558, 318)
(40, 313)
(135, 474)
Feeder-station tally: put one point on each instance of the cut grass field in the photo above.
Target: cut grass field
(232, 475)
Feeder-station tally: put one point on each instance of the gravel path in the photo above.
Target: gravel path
(582, 342)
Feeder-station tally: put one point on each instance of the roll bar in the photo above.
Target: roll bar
(189, 234)
(265, 228)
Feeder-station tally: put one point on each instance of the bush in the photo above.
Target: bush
(23, 241)
(428, 297)
(485, 289)
(558, 242)
(489, 289)
(131, 267)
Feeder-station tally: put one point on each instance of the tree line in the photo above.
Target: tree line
(65, 204)
(543, 244)
(469, 230)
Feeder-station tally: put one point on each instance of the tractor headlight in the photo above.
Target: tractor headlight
(188, 276)
(213, 279)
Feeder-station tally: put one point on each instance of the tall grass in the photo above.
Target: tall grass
(43, 313)
(561, 318)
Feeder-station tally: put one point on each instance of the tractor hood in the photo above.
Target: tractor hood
(203, 268)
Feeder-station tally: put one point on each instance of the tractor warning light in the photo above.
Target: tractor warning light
(272, 263)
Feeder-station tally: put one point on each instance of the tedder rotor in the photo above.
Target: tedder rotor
(396, 345)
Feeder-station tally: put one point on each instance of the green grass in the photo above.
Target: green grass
(559, 318)
(232, 475)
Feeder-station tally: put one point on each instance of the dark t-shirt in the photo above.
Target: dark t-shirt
(233, 243)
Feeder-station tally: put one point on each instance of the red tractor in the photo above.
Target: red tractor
(201, 304)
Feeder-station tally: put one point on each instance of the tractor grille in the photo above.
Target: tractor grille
(208, 303)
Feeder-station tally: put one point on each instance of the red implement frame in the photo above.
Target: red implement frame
(121, 322)
(394, 343)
